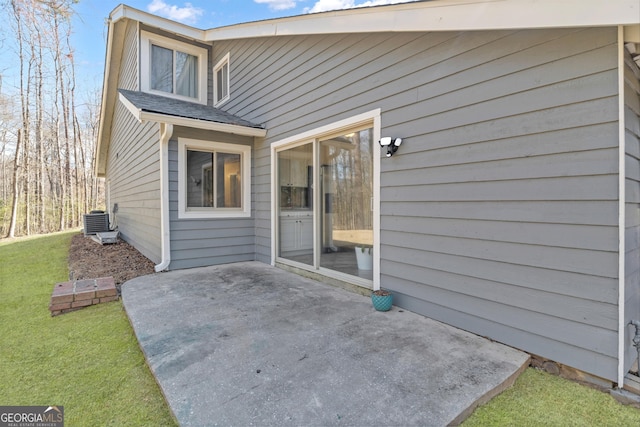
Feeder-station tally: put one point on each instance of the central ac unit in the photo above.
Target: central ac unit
(96, 223)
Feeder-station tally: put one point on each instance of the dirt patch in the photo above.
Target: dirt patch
(90, 260)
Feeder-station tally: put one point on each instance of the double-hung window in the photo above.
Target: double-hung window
(213, 179)
(172, 68)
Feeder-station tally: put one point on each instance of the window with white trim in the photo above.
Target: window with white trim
(173, 68)
(214, 179)
(221, 85)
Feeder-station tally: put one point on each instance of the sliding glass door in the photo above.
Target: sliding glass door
(332, 229)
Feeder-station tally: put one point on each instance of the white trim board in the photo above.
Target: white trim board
(331, 128)
(444, 15)
(244, 150)
(622, 222)
(148, 39)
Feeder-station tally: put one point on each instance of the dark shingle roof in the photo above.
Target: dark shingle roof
(174, 107)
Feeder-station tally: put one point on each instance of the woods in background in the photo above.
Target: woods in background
(47, 131)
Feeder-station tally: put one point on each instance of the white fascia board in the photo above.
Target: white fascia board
(437, 15)
(135, 111)
(203, 124)
(99, 168)
(444, 15)
(109, 83)
(126, 12)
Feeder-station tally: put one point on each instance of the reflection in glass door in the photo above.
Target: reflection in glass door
(346, 214)
(343, 217)
(295, 213)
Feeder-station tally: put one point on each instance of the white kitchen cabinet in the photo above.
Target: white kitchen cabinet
(296, 233)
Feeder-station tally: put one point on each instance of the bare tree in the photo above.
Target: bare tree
(24, 116)
(39, 131)
(49, 150)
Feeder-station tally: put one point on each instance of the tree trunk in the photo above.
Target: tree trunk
(76, 135)
(40, 166)
(14, 203)
(59, 103)
(26, 187)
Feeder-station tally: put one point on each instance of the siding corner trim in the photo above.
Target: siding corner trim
(621, 210)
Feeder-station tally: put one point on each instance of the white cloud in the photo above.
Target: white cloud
(278, 4)
(187, 14)
(325, 5)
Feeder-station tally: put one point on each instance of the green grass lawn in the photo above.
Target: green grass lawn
(541, 399)
(87, 361)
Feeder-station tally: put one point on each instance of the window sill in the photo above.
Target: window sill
(213, 215)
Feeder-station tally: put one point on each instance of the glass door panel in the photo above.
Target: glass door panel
(295, 203)
(346, 214)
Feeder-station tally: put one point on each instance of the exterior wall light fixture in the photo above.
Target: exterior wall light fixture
(392, 144)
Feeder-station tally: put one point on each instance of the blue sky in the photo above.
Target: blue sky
(90, 31)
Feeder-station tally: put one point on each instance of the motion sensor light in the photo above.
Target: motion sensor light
(392, 144)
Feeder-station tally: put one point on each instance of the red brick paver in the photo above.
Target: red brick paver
(73, 295)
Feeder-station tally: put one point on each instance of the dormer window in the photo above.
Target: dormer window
(221, 86)
(173, 68)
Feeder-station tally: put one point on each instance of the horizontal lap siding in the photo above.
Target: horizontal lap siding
(203, 242)
(632, 231)
(499, 211)
(293, 84)
(133, 165)
(261, 204)
(128, 78)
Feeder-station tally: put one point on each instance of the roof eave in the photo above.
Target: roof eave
(127, 12)
(202, 124)
(440, 15)
(436, 15)
(148, 116)
(111, 67)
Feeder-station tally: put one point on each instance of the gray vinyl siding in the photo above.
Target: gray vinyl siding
(632, 232)
(128, 77)
(262, 199)
(203, 242)
(133, 168)
(499, 212)
(484, 221)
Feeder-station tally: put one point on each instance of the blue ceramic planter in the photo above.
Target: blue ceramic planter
(382, 302)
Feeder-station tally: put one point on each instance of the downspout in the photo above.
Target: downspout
(622, 174)
(166, 130)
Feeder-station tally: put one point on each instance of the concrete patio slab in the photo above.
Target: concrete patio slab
(250, 344)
